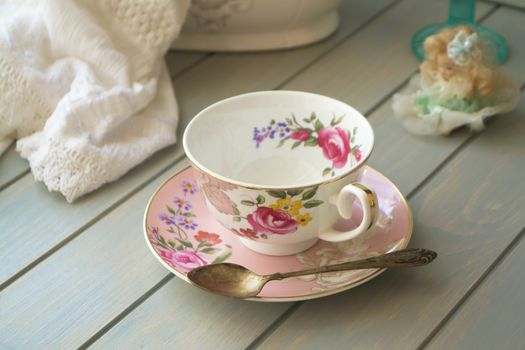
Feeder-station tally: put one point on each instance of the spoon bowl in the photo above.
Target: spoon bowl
(228, 279)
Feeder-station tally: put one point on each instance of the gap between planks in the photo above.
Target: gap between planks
(126, 311)
(499, 259)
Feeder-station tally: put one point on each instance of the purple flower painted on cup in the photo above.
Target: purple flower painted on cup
(268, 220)
(186, 260)
(182, 203)
(187, 223)
(189, 187)
(168, 219)
(335, 145)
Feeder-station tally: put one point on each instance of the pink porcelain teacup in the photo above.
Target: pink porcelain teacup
(279, 168)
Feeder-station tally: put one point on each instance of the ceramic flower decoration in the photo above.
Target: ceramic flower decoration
(457, 86)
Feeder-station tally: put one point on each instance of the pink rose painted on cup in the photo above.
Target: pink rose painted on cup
(300, 135)
(184, 259)
(268, 220)
(335, 145)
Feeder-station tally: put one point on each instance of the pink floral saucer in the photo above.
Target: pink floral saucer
(182, 235)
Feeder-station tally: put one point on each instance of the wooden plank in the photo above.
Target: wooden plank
(221, 76)
(178, 61)
(492, 318)
(204, 321)
(475, 204)
(11, 166)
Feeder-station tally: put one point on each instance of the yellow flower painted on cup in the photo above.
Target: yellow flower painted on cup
(304, 219)
(287, 205)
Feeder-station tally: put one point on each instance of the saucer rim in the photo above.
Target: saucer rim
(374, 272)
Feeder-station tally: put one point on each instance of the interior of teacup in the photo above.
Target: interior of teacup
(278, 139)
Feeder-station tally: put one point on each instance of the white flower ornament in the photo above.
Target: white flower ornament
(463, 49)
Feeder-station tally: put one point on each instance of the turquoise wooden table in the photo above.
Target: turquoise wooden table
(79, 276)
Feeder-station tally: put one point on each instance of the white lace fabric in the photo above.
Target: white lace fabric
(84, 90)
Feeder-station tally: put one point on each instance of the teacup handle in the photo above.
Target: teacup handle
(344, 203)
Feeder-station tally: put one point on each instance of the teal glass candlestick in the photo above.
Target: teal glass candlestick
(461, 12)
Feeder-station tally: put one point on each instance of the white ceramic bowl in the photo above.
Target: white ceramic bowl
(246, 25)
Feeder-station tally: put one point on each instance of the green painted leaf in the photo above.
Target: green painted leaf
(260, 199)
(248, 203)
(306, 120)
(313, 203)
(277, 194)
(336, 120)
(354, 131)
(289, 121)
(309, 194)
(185, 243)
(311, 142)
(170, 209)
(210, 250)
(236, 210)
(294, 119)
(264, 236)
(296, 144)
(189, 215)
(272, 122)
(171, 243)
(202, 244)
(281, 143)
(313, 116)
(318, 125)
(236, 219)
(225, 255)
(179, 248)
(333, 173)
(293, 193)
(327, 171)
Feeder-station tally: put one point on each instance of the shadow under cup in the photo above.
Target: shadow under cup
(270, 165)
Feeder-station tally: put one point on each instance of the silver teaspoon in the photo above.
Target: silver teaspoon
(237, 281)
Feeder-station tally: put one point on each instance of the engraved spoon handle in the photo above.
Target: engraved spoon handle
(402, 258)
